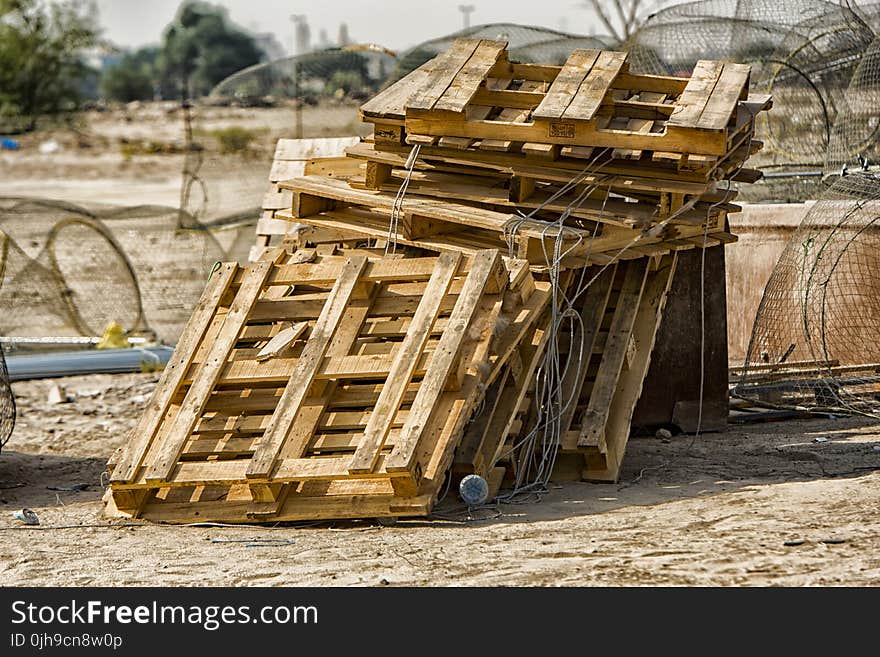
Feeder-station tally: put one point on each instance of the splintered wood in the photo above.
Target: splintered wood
(388, 337)
(356, 411)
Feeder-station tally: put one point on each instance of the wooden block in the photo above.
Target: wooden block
(282, 341)
(377, 175)
(306, 205)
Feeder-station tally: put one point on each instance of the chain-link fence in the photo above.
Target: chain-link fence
(816, 339)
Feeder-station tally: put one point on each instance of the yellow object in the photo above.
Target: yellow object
(113, 338)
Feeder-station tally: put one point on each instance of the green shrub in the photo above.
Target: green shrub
(235, 140)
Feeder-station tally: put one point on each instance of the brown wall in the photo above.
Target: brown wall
(763, 232)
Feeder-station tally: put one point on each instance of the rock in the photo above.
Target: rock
(57, 395)
(663, 434)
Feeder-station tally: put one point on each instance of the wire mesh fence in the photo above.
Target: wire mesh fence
(806, 53)
(816, 339)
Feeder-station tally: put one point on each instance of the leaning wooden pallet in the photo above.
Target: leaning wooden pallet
(345, 396)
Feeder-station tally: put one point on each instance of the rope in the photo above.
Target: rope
(397, 206)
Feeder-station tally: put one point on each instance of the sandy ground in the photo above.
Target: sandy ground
(712, 511)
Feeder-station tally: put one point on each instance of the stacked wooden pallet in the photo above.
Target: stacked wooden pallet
(392, 340)
(297, 157)
(617, 153)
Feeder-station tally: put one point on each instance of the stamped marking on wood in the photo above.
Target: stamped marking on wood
(560, 129)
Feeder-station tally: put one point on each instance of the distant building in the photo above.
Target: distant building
(302, 35)
(268, 43)
(344, 39)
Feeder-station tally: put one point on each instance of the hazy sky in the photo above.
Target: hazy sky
(395, 24)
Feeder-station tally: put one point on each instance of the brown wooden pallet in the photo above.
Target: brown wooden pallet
(525, 184)
(473, 94)
(293, 158)
(435, 224)
(621, 314)
(344, 396)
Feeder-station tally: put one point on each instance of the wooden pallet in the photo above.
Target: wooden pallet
(436, 224)
(516, 181)
(324, 386)
(473, 97)
(294, 158)
(620, 314)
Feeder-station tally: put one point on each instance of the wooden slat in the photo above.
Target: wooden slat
(172, 375)
(391, 102)
(281, 341)
(445, 67)
(592, 312)
(566, 84)
(306, 367)
(469, 79)
(592, 90)
(614, 355)
(404, 364)
(443, 361)
(725, 96)
(629, 385)
(197, 396)
(696, 94)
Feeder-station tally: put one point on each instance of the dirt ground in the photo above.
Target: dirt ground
(717, 510)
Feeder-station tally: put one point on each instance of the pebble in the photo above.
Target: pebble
(663, 434)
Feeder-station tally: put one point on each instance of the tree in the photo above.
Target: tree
(133, 78)
(201, 48)
(621, 18)
(42, 57)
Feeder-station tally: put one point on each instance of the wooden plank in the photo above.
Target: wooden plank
(306, 367)
(592, 90)
(328, 271)
(172, 376)
(724, 97)
(443, 362)
(404, 365)
(339, 190)
(312, 148)
(565, 86)
(614, 355)
(693, 99)
(391, 102)
(569, 133)
(471, 76)
(197, 396)
(592, 313)
(445, 67)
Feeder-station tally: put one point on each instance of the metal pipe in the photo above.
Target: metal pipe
(75, 363)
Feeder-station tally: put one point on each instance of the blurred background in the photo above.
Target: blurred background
(137, 138)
